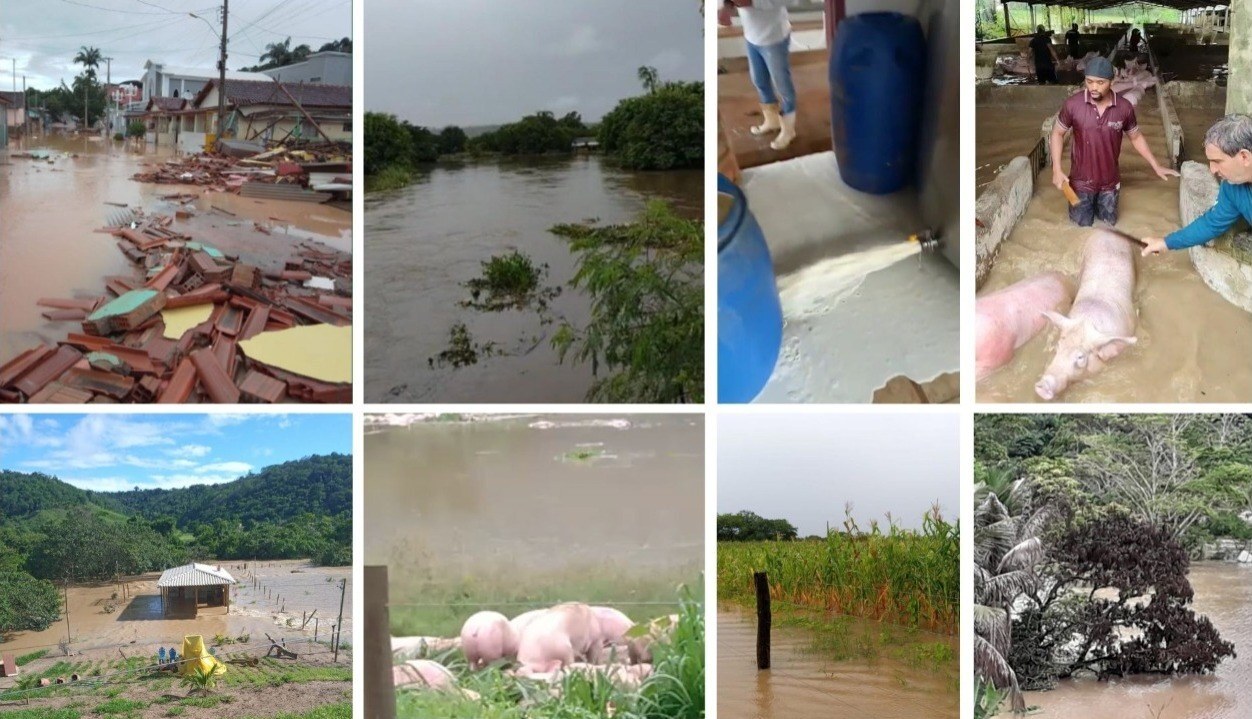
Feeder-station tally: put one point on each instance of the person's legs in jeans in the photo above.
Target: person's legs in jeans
(1083, 214)
(759, 71)
(1106, 205)
(778, 60)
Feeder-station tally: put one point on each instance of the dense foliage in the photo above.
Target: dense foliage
(320, 485)
(537, 134)
(1081, 533)
(27, 603)
(82, 545)
(662, 130)
(748, 526)
(646, 285)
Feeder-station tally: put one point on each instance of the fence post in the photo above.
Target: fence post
(380, 691)
(763, 619)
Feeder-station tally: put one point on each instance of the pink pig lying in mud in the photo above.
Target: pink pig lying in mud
(559, 637)
(487, 637)
(1102, 321)
(1008, 318)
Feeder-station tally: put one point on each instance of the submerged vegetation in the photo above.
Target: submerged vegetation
(675, 689)
(906, 578)
(510, 281)
(646, 331)
(1084, 527)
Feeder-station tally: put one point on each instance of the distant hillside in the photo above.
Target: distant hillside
(477, 130)
(25, 495)
(319, 485)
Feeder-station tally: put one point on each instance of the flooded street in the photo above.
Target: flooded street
(1223, 593)
(424, 241)
(802, 684)
(138, 621)
(50, 209)
(1193, 345)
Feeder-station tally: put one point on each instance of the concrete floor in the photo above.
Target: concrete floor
(857, 311)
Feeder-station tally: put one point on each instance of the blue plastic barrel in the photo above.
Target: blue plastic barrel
(877, 77)
(749, 315)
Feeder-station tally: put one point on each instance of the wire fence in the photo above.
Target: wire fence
(897, 625)
(96, 682)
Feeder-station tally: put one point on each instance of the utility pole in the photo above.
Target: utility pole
(343, 590)
(221, 85)
(67, 615)
(108, 81)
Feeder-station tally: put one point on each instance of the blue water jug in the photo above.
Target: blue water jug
(877, 79)
(749, 315)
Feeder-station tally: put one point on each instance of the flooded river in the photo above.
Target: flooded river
(1223, 593)
(520, 513)
(1193, 345)
(48, 212)
(424, 241)
(138, 621)
(802, 684)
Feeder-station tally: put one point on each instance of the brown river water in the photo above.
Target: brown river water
(535, 495)
(48, 212)
(801, 683)
(1223, 593)
(138, 625)
(424, 241)
(1193, 345)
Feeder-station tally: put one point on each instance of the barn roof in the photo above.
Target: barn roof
(195, 575)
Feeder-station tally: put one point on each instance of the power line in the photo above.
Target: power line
(109, 9)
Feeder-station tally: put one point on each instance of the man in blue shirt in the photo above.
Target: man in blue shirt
(1228, 146)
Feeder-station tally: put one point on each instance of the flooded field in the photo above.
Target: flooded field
(532, 510)
(802, 683)
(1223, 593)
(424, 241)
(48, 247)
(1192, 343)
(138, 623)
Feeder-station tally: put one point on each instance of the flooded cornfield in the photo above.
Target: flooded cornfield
(424, 242)
(522, 512)
(804, 681)
(52, 204)
(1223, 593)
(270, 597)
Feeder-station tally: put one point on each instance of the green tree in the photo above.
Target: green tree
(663, 130)
(89, 58)
(748, 526)
(648, 77)
(451, 140)
(26, 603)
(646, 330)
(387, 143)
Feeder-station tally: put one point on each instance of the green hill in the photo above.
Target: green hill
(319, 485)
(25, 495)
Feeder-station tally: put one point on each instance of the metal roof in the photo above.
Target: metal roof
(195, 575)
(309, 94)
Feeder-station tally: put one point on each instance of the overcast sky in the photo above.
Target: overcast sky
(805, 467)
(45, 35)
(487, 62)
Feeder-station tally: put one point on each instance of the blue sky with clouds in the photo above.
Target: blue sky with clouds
(107, 453)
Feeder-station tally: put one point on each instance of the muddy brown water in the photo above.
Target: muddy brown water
(424, 241)
(48, 212)
(1223, 593)
(801, 683)
(512, 497)
(1193, 345)
(138, 623)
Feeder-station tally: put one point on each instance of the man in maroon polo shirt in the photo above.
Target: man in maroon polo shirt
(1099, 119)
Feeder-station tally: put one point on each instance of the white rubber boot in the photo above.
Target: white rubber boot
(788, 132)
(771, 124)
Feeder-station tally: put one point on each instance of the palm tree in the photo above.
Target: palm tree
(1007, 548)
(89, 58)
(649, 77)
(279, 54)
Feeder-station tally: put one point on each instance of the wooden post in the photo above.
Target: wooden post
(300, 107)
(763, 619)
(380, 692)
(343, 590)
(1007, 31)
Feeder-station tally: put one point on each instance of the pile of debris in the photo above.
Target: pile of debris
(312, 172)
(200, 326)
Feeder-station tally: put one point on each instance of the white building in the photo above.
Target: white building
(328, 68)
